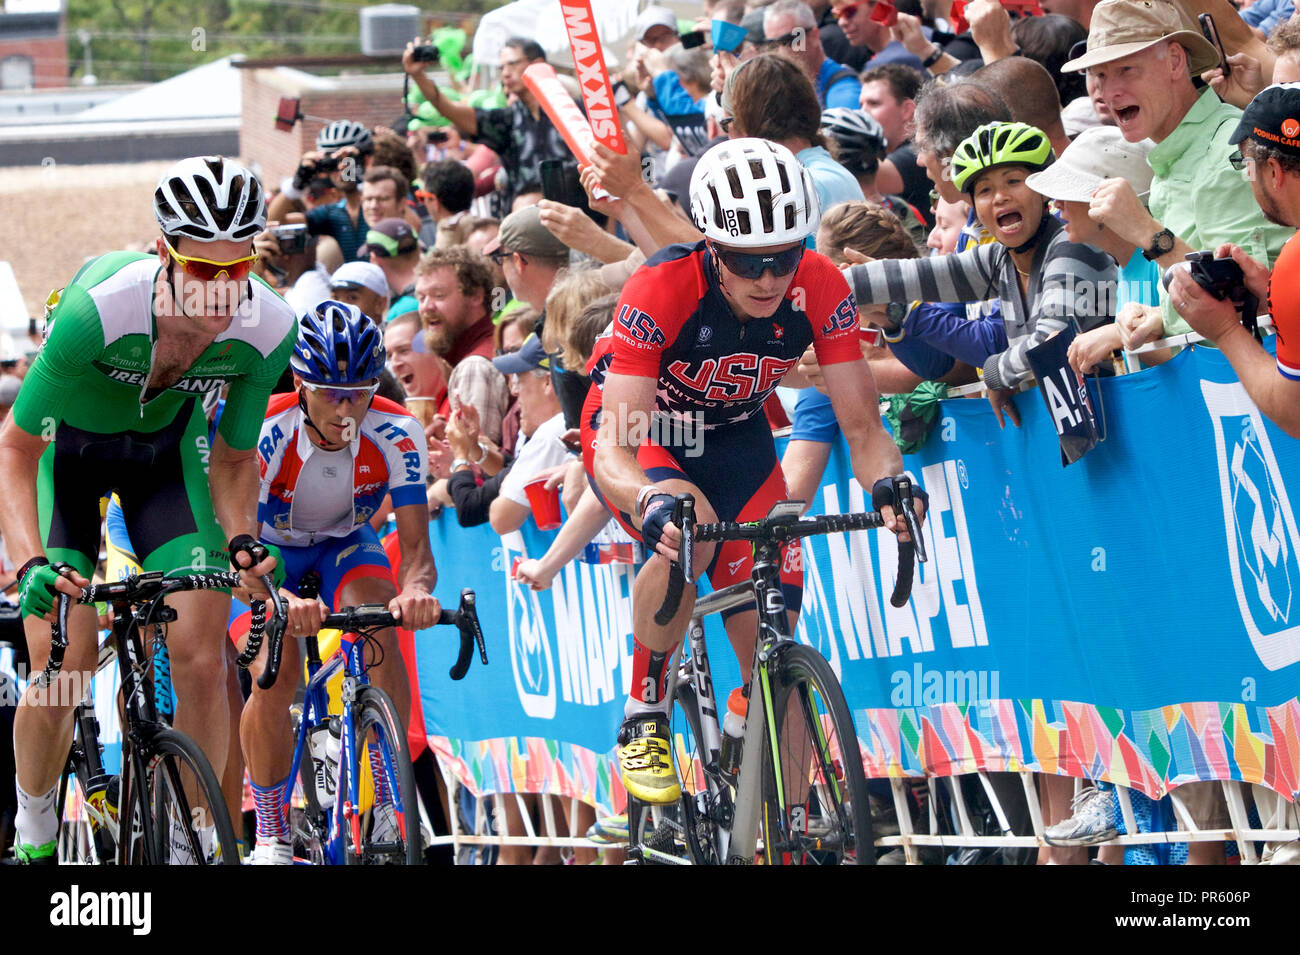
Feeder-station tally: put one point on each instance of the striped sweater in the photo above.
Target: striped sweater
(1067, 283)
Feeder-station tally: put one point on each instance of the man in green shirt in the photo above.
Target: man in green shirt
(113, 403)
(1142, 61)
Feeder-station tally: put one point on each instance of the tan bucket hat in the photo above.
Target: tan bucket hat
(1121, 28)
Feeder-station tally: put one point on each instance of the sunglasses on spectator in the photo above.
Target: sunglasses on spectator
(500, 256)
(1238, 159)
(787, 40)
(423, 196)
(850, 10)
(207, 270)
(725, 123)
(751, 265)
(336, 395)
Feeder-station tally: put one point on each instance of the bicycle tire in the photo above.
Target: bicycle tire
(817, 812)
(178, 765)
(666, 831)
(376, 714)
(75, 840)
(701, 833)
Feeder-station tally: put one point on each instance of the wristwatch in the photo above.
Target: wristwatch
(933, 58)
(458, 463)
(896, 312)
(1162, 243)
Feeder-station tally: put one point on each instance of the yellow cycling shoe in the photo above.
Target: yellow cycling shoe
(646, 760)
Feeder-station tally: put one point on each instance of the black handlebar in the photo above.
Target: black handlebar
(367, 617)
(132, 590)
(899, 494)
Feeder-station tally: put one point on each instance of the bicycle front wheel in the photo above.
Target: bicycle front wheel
(385, 828)
(188, 823)
(815, 809)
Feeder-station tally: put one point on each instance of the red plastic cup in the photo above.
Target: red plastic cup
(884, 13)
(514, 567)
(545, 504)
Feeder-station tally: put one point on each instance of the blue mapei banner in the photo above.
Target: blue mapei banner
(1134, 617)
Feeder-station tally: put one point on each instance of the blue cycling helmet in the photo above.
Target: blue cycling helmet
(337, 345)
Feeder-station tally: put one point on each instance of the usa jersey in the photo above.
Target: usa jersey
(673, 323)
(388, 455)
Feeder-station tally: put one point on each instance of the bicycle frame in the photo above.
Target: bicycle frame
(739, 839)
(347, 797)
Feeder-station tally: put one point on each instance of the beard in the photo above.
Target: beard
(439, 339)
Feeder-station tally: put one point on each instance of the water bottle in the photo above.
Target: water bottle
(326, 746)
(733, 731)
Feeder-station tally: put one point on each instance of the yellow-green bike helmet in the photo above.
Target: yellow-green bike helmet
(999, 144)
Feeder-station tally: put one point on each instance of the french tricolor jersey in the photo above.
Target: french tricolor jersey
(673, 323)
(388, 456)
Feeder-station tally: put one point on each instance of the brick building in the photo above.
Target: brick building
(372, 99)
(33, 48)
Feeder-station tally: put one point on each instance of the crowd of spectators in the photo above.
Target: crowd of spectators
(492, 294)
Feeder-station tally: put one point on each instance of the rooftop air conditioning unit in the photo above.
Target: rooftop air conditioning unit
(387, 28)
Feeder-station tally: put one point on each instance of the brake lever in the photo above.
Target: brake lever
(684, 518)
(906, 499)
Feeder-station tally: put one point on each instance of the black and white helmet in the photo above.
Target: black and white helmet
(344, 132)
(211, 199)
(857, 134)
(751, 193)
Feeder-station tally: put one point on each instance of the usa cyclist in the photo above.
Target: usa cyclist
(702, 336)
(113, 402)
(329, 454)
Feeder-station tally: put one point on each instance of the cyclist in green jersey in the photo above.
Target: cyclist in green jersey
(113, 402)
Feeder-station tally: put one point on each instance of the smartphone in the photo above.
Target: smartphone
(884, 13)
(286, 114)
(693, 39)
(560, 183)
(1212, 34)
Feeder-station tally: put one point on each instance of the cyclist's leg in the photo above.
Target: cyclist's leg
(265, 731)
(232, 780)
(734, 563)
(68, 506)
(355, 570)
(645, 759)
(169, 516)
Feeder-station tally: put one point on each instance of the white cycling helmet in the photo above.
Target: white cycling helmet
(210, 198)
(750, 193)
(344, 132)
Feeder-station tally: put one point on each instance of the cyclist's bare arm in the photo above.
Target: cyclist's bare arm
(872, 451)
(234, 485)
(627, 398)
(20, 455)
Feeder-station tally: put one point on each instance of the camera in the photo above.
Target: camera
(1222, 278)
(425, 53)
(291, 238)
(326, 164)
(439, 135)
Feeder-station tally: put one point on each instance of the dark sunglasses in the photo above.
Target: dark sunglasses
(749, 265)
(787, 40)
(725, 123)
(1237, 160)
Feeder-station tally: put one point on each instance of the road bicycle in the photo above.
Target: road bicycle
(358, 784)
(791, 789)
(166, 805)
